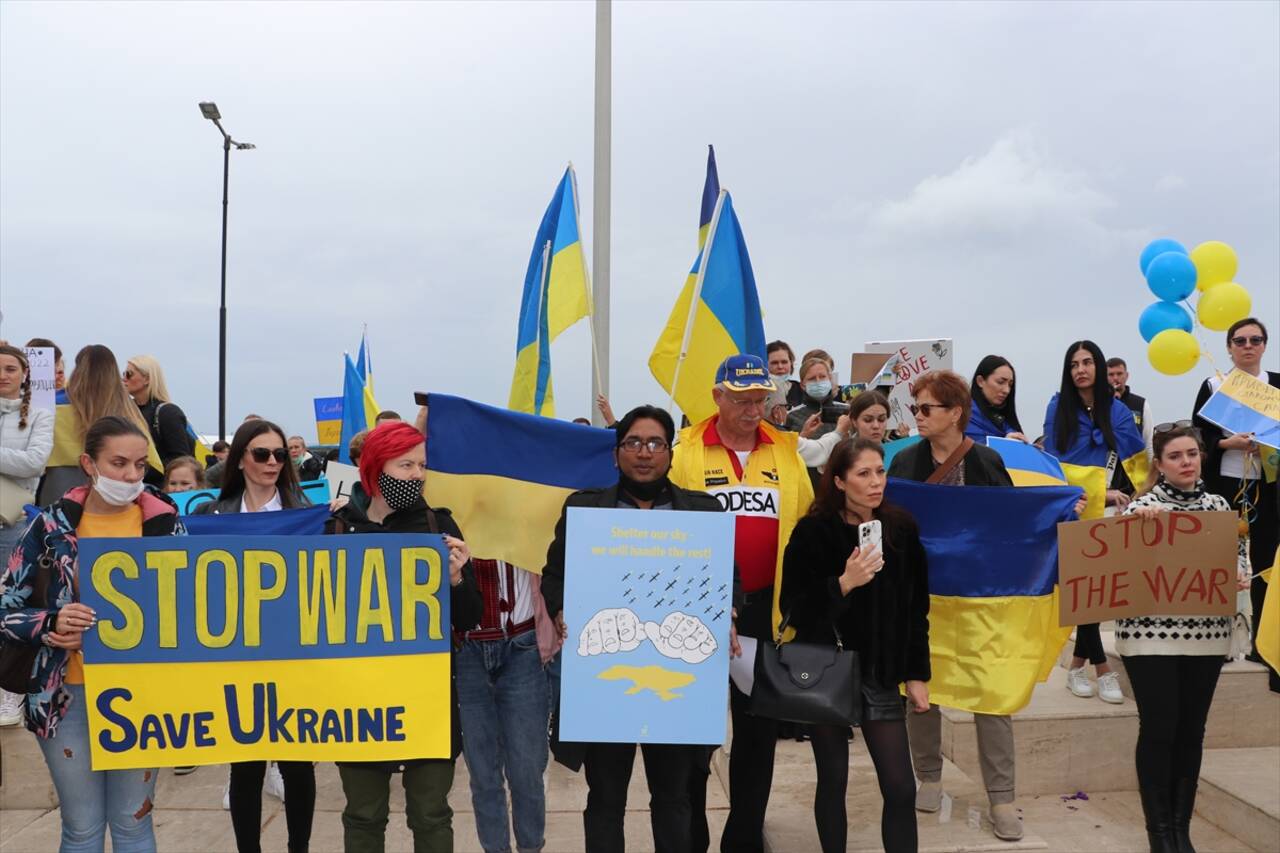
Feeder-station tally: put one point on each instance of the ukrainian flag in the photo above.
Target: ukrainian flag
(993, 609)
(555, 297)
(716, 315)
(1085, 462)
(364, 361)
(359, 409)
(1027, 464)
(199, 449)
(505, 475)
(1244, 404)
(710, 193)
(1269, 621)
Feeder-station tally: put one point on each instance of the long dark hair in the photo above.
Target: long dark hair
(1007, 414)
(233, 479)
(828, 504)
(1066, 422)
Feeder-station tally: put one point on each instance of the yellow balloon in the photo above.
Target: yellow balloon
(1173, 352)
(1223, 305)
(1215, 263)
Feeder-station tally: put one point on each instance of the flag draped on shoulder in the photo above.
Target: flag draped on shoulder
(1086, 462)
(716, 315)
(359, 409)
(505, 475)
(556, 295)
(1027, 464)
(993, 605)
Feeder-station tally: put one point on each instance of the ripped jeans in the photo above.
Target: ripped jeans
(92, 800)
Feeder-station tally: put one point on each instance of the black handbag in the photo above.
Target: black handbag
(18, 659)
(807, 682)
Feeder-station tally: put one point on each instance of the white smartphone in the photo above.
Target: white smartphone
(870, 536)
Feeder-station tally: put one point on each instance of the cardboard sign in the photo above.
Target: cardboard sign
(41, 363)
(911, 360)
(1177, 564)
(211, 649)
(328, 419)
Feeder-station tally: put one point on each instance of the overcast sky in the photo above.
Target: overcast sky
(988, 172)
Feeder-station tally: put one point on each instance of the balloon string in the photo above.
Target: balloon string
(1204, 350)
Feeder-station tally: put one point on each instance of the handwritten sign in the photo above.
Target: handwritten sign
(211, 649)
(1246, 404)
(328, 419)
(648, 601)
(40, 360)
(911, 360)
(1179, 563)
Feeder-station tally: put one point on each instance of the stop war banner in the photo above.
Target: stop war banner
(1176, 564)
(211, 649)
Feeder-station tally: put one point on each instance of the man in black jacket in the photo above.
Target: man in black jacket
(675, 773)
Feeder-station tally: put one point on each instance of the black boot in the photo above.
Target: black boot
(1157, 808)
(1184, 803)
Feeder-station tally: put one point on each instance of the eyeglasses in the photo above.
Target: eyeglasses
(653, 445)
(129, 373)
(262, 454)
(747, 402)
(927, 408)
(1251, 340)
(1172, 425)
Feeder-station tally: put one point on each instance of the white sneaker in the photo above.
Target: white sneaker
(274, 783)
(1109, 688)
(10, 708)
(1079, 684)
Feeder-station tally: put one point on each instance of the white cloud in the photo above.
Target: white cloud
(1013, 188)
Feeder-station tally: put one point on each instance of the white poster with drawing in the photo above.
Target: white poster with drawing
(911, 360)
(41, 363)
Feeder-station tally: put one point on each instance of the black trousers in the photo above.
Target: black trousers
(246, 803)
(1173, 693)
(886, 740)
(669, 769)
(1089, 644)
(754, 742)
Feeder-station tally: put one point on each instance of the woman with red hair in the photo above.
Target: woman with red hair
(393, 464)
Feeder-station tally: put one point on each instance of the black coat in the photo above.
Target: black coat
(568, 753)
(465, 607)
(982, 465)
(168, 427)
(1211, 471)
(231, 504)
(886, 621)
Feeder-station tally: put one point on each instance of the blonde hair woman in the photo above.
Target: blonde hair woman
(93, 392)
(167, 424)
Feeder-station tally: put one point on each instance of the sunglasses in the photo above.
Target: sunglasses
(927, 408)
(129, 374)
(1172, 425)
(262, 454)
(1251, 340)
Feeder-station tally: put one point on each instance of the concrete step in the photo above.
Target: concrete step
(1245, 712)
(1064, 744)
(1240, 792)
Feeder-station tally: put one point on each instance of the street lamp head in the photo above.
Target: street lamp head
(243, 146)
(210, 110)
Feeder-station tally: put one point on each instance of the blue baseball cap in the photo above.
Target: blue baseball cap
(744, 372)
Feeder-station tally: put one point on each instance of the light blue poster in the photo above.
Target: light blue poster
(648, 598)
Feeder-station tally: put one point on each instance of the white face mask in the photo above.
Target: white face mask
(116, 492)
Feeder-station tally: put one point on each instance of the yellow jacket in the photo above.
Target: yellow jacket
(775, 463)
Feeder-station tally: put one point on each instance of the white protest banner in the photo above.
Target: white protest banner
(40, 360)
(341, 478)
(912, 359)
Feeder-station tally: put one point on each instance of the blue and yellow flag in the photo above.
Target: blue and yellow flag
(1246, 404)
(710, 193)
(359, 409)
(364, 361)
(504, 475)
(1269, 621)
(993, 608)
(1027, 464)
(555, 297)
(716, 315)
(1085, 462)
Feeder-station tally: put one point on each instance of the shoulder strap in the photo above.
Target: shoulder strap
(432, 524)
(155, 417)
(952, 461)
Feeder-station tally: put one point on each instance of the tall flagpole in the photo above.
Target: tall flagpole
(600, 207)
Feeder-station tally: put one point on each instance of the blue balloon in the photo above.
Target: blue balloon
(1156, 248)
(1172, 276)
(1159, 316)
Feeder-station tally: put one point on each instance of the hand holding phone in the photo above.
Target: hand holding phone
(871, 536)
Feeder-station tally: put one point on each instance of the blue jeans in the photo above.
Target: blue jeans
(93, 799)
(502, 696)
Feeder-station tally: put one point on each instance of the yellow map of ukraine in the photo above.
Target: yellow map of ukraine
(663, 682)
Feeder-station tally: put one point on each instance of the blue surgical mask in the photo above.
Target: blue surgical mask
(818, 390)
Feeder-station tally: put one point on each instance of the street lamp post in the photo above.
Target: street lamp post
(210, 111)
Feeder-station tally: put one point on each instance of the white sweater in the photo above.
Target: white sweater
(24, 452)
(1179, 635)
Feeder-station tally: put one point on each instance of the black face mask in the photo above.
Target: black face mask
(642, 491)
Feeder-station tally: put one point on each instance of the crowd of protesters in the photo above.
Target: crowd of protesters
(103, 464)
